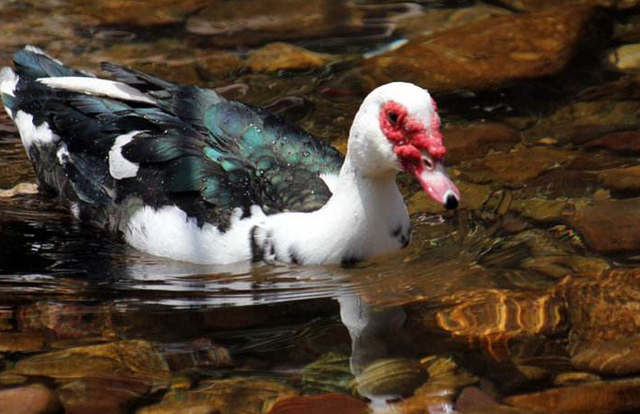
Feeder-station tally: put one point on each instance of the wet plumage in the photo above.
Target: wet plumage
(152, 159)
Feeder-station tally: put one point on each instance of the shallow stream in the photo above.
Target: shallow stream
(525, 299)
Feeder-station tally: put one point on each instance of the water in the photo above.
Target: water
(526, 297)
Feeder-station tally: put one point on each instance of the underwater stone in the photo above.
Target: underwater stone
(31, 399)
(593, 397)
(284, 56)
(487, 54)
(466, 142)
(609, 226)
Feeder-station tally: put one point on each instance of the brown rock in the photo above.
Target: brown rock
(488, 53)
(604, 314)
(132, 359)
(237, 22)
(20, 342)
(445, 379)
(138, 13)
(542, 210)
(563, 265)
(614, 357)
(491, 319)
(543, 4)
(228, 396)
(570, 378)
(65, 320)
(6, 318)
(32, 399)
(515, 167)
(625, 142)
(169, 59)
(581, 122)
(198, 353)
(99, 395)
(431, 20)
(19, 189)
(609, 226)
(473, 197)
(320, 404)
(472, 397)
(284, 56)
(12, 379)
(560, 183)
(594, 397)
(624, 180)
(475, 141)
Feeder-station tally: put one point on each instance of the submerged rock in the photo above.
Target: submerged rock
(613, 357)
(542, 4)
(228, 396)
(391, 378)
(475, 141)
(446, 377)
(238, 22)
(571, 378)
(320, 404)
(626, 142)
(623, 180)
(593, 397)
(61, 321)
(487, 54)
(137, 13)
(562, 265)
(581, 122)
(604, 309)
(625, 58)
(516, 167)
(31, 399)
(135, 359)
(20, 342)
(609, 226)
(431, 20)
(168, 59)
(542, 210)
(19, 189)
(474, 196)
(328, 374)
(100, 395)
(490, 319)
(284, 56)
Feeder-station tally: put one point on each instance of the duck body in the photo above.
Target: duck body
(181, 172)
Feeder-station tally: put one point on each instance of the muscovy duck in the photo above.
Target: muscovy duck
(183, 173)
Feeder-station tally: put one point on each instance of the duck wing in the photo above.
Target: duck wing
(159, 143)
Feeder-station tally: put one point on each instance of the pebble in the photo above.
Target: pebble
(31, 399)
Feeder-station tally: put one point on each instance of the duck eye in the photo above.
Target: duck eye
(393, 117)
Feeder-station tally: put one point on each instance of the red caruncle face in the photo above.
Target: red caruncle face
(410, 136)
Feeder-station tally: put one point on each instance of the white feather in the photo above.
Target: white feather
(8, 81)
(168, 232)
(100, 87)
(63, 154)
(119, 166)
(32, 134)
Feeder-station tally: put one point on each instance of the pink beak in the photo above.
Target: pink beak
(436, 183)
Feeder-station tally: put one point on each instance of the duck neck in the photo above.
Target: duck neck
(365, 216)
(363, 213)
(361, 190)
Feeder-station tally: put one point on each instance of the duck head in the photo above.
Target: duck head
(397, 128)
